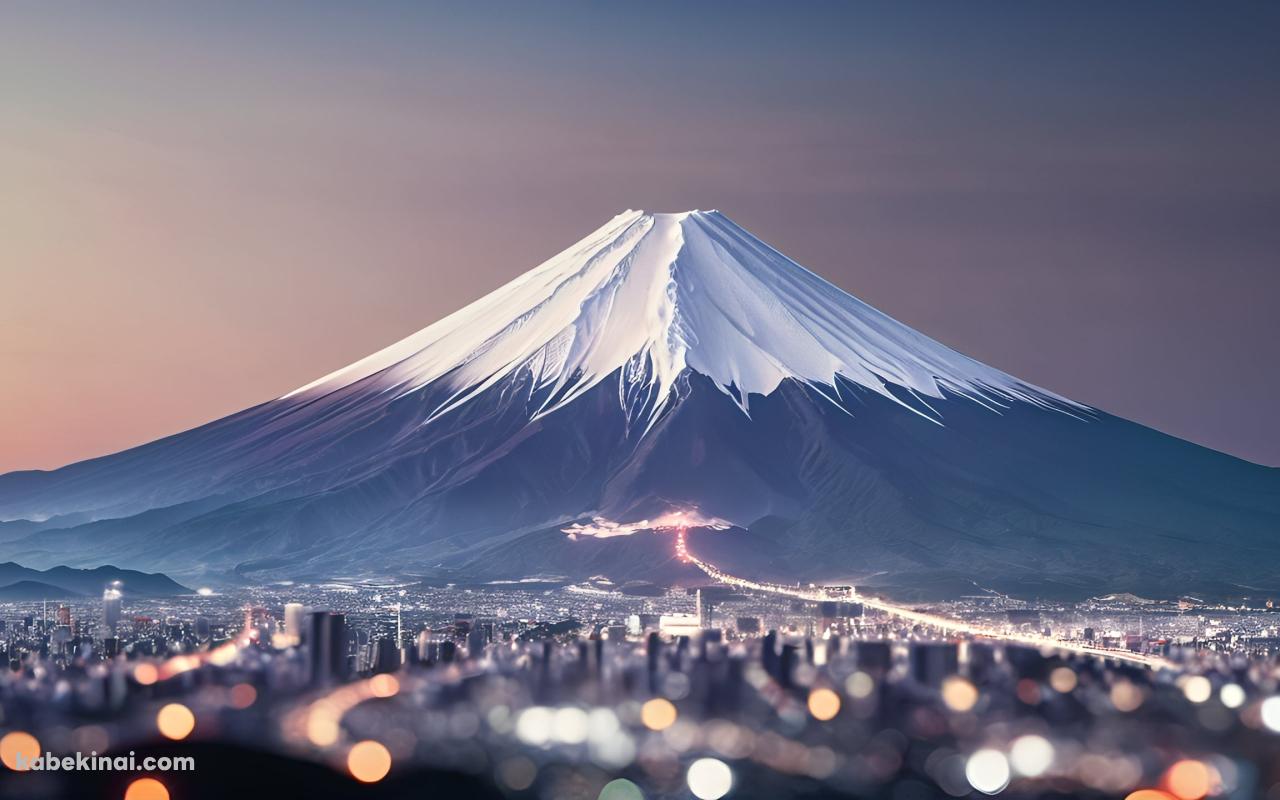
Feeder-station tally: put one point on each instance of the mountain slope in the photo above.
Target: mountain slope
(669, 363)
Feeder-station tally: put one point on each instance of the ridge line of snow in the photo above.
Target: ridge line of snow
(648, 296)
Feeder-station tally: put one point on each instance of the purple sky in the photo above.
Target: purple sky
(204, 208)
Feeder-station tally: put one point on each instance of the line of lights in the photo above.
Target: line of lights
(946, 624)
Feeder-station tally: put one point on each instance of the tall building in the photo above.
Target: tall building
(426, 648)
(386, 656)
(326, 640)
(112, 600)
(295, 623)
(706, 610)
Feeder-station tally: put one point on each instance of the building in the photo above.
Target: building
(112, 600)
(295, 624)
(327, 646)
(705, 610)
(679, 624)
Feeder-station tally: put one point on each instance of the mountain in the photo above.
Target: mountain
(670, 364)
(67, 582)
(34, 590)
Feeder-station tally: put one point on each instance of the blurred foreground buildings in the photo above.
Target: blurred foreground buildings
(584, 691)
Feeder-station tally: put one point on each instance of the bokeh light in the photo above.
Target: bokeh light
(146, 789)
(959, 694)
(859, 685)
(18, 744)
(1270, 712)
(243, 695)
(146, 674)
(322, 729)
(1063, 680)
(709, 778)
(534, 725)
(1232, 695)
(384, 685)
(1126, 697)
(1031, 755)
(1028, 691)
(824, 704)
(1197, 688)
(987, 771)
(175, 721)
(570, 725)
(658, 714)
(621, 789)
(369, 761)
(1189, 780)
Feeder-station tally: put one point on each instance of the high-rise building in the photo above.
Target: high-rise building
(326, 640)
(386, 656)
(706, 610)
(112, 600)
(476, 640)
(295, 624)
(426, 647)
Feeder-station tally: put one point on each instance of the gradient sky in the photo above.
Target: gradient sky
(203, 207)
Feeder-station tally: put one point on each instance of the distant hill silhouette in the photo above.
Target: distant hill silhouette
(62, 582)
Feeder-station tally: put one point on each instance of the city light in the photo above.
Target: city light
(583, 679)
(959, 694)
(1197, 688)
(243, 695)
(146, 673)
(1031, 755)
(860, 685)
(1232, 695)
(17, 749)
(146, 789)
(658, 714)
(987, 771)
(824, 704)
(621, 789)
(369, 761)
(175, 721)
(1189, 780)
(1270, 713)
(1063, 680)
(709, 778)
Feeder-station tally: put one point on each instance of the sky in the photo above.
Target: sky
(205, 206)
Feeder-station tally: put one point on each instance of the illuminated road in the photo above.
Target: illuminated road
(946, 624)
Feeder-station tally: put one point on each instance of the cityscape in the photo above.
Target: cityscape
(584, 690)
(716, 400)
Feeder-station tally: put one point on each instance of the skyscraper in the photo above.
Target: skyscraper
(295, 625)
(706, 610)
(327, 647)
(112, 599)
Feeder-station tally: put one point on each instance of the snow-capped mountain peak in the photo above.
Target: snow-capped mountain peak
(648, 296)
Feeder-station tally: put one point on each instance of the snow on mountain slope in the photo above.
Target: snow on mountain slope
(654, 294)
